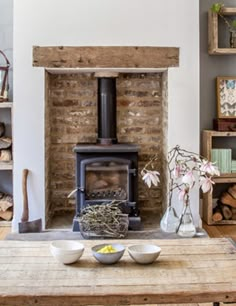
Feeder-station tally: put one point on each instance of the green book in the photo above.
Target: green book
(223, 159)
(233, 166)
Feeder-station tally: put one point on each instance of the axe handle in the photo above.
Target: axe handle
(25, 213)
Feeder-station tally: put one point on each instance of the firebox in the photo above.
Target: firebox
(107, 171)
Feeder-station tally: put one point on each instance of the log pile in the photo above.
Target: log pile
(226, 205)
(5, 145)
(6, 206)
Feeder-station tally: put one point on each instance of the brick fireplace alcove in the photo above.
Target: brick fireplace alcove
(71, 113)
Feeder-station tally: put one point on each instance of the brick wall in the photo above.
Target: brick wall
(71, 118)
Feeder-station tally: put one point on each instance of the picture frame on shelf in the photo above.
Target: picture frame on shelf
(226, 97)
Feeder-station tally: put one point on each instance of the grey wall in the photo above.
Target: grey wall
(211, 66)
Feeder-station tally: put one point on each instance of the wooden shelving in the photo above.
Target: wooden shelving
(6, 165)
(213, 35)
(6, 104)
(225, 178)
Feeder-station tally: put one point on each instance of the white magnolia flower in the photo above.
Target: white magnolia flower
(150, 177)
(206, 184)
(189, 179)
(209, 168)
(177, 171)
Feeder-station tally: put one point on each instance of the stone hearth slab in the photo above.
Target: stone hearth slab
(69, 235)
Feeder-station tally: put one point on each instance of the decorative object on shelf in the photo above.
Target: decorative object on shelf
(226, 97)
(231, 24)
(104, 220)
(4, 77)
(224, 124)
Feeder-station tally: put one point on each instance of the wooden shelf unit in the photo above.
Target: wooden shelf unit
(6, 165)
(6, 104)
(213, 38)
(225, 178)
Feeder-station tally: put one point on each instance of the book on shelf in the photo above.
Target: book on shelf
(223, 159)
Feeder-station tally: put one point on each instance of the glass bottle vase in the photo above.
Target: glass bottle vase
(186, 227)
(169, 221)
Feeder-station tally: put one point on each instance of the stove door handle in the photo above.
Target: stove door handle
(82, 189)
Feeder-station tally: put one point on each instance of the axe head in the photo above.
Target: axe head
(34, 226)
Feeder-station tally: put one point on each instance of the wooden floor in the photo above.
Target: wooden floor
(213, 231)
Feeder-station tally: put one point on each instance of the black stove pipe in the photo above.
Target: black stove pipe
(106, 109)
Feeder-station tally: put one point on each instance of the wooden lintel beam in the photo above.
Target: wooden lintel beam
(105, 57)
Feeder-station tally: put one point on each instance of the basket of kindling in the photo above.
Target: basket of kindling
(104, 220)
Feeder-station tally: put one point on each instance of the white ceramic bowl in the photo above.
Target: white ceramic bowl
(66, 251)
(144, 253)
(108, 258)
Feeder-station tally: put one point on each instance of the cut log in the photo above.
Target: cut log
(6, 215)
(227, 212)
(227, 199)
(233, 210)
(5, 155)
(5, 202)
(5, 142)
(232, 191)
(2, 129)
(217, 215)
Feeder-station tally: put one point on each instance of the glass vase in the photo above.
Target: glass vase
(186, 227)
(169, 221)
(232, 39)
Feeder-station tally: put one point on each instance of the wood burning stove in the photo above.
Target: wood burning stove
(108, 170)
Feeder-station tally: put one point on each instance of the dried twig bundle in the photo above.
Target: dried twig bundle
(103, 220)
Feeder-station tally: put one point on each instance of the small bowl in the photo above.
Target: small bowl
(108, 258)
(144, 253)
(66, 251)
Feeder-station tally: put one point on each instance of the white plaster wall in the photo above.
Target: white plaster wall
(171, 23)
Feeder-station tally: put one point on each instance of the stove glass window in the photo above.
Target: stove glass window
(106, 181)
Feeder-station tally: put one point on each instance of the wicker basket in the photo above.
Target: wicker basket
(108, 230)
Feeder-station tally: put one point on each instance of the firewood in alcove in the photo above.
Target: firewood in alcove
(5, 155)
(5, 142)
(2, 129)
(232, 191)
(217, 214)
(227, 212)
(6, 215)
(228, 199)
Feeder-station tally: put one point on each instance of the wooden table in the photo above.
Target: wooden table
(187, 271)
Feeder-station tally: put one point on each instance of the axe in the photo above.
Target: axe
(26, 226)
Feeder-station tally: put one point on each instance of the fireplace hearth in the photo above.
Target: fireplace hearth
(107, 171)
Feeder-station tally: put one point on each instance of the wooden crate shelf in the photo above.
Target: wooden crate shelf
(213, 47)
(225, 178)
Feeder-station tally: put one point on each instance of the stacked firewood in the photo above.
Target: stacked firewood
(5, 145)
(226, 205)
(6, 206)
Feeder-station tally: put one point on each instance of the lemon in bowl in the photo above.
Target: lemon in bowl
(108, 253)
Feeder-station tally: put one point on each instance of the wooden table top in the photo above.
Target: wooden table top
(187, 271)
